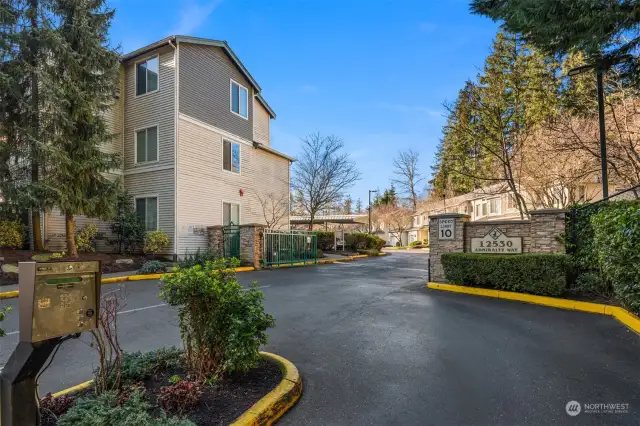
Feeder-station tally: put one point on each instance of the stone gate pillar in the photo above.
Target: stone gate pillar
(446, 235)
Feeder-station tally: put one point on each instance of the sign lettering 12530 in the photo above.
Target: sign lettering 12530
(446, 229)
(495, 241)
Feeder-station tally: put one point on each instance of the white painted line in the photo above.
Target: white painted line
(13, 332)
(142, 309)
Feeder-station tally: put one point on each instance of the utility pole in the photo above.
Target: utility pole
(370, 191)
(603, 141)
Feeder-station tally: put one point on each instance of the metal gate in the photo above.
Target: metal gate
(289, 247)
(231, 241)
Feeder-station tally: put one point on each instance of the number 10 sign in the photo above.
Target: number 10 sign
(446, 229)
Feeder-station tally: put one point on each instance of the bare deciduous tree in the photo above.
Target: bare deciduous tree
(274, 208)
(397, 219)
(322, 173)
(405, 166)
(106, 344)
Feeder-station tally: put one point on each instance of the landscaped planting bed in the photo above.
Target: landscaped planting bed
(156, 388)
(217, 375)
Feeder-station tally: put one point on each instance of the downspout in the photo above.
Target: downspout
(176, 98)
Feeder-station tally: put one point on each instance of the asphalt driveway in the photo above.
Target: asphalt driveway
(374, 346)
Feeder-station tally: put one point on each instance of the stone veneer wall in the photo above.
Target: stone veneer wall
(541, 234)
(250, 242)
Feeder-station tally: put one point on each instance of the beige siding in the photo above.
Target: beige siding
(203, 185)
(151, 109)
(55, 232)
(161, 184)
(260, 123)
(205, 89)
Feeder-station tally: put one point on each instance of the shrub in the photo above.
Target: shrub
(105, 411)
(535, 273)
(11, 234)
(58, 255)
(155, 241)
(128, 227)
(326, 240)
(415, 243)
(85, 238)
(319, 254)
(198, 257)
(152, 267)
(137, 366)
(179, 397)
(361, 241)
(3, 314)
(592, 283)
(617, 237)
(222, 326)
(56, 406)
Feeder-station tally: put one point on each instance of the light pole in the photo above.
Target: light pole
(600, 67)
(370, 191)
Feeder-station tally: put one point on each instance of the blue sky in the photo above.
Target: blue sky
(373, 72)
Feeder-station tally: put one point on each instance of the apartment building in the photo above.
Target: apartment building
(193, 132)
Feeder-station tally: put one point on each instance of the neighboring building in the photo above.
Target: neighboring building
(193, 133)
(496, 203)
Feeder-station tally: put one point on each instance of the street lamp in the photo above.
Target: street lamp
(600, 67)
(370, 191)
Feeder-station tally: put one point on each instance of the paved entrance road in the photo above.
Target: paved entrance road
(374, 346)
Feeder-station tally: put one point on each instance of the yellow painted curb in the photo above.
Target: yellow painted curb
(9, 294)
(113, 280)
(274, 404)
(621, 314)
(74, 389)
(267, 410)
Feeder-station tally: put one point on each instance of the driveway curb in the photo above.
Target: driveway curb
(268, 409)
(113, 280)
(621, 314)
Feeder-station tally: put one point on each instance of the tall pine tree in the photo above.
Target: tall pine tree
(84, 74)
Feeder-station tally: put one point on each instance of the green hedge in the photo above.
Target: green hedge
(361, 241)
(542, 274)
(326, 239)
(616, 231)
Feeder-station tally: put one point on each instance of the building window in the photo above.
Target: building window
(147, 145)
(511, 201)
(484, 209)
(147, 209)
(477, 210)
(230, 214)
(231, 156)
(239, 99)
(147, 76)
(494, 206)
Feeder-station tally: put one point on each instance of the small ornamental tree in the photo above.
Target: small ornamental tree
(127, 225)
(155, 242)
(11, 234)
(222, 326)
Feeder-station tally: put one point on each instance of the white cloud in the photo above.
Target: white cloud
(427, 27)
(193, 15)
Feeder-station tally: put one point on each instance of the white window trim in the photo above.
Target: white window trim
(238, 203)
(135, 67)
(135, 145)
(239, 145)
(157, 197)
(231, 83)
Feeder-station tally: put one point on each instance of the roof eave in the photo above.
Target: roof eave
(266, 106)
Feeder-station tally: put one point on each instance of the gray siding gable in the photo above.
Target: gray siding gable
(205, 88)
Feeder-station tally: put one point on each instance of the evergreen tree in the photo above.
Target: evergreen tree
(604, 30)
(84, 75)
(358, 206)
(25, 34)
(347, 205)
